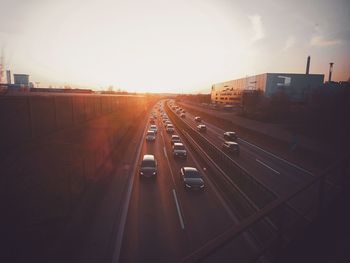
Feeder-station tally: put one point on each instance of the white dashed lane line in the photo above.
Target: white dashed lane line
(264, 164)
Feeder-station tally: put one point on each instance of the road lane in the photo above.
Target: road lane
(277, 174)
(154, 231)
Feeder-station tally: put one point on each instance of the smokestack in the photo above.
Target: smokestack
(330, 71)
(8, 76)
(308, 65)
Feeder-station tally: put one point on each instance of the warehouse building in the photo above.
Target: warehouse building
(21, 79)
(296, 86)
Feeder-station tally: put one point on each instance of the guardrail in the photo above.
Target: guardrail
(312, 199)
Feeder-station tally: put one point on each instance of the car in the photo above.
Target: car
(175, 138)
(150, 136)
(151, 120)
(197, 119)
(148, 167)
(231, 147)
(167, 122)
(169, 128)
(179, 150)
(230, 136)
(182, 115)
(192, 179)
(202, 128)
(153, 128)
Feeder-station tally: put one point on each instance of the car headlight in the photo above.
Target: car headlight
(141, 173)
(187, 185)
(202, 186)
(154, 173)
(176, 153)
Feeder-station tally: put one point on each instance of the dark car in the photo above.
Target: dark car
(197, 119)
(192, 179)
(179, 150)
(202, 128)
(148, 166)
(231, 147)
(230, 136)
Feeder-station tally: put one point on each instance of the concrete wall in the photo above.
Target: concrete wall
(23, 118)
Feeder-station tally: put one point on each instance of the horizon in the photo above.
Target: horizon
(173, 47)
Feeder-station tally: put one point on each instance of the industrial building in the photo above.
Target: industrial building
(296, 86)
(21, 79)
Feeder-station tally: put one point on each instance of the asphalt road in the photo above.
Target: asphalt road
(278, 175)
(165, 222)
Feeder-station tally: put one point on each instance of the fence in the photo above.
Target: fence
(23, 118)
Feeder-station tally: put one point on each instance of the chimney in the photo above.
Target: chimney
(8, 76)
(330, 71)
(308, 65)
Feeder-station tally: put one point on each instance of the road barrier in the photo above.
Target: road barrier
(24, 118)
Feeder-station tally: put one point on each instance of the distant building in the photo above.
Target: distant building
(21, 79)
(296, 86)
(8, 76)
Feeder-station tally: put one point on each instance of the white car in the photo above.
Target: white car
(153, 128)
(197, 119)
(175, 138)
(170, 128)
(150, 136)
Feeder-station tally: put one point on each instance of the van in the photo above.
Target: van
(148, 166)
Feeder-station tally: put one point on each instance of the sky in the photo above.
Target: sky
(171, 46)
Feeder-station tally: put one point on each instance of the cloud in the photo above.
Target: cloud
(257, 27)
(320, 41)
(290, 42)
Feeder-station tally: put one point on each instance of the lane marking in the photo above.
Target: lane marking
(214, 189)
(269, 153)
(165, 152)
(178, 210)
(121, 228)
(264, 164)
(279, 158)
(261, 149)
(174, 193)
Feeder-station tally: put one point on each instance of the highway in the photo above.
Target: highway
(278, 175)
(165, 222)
